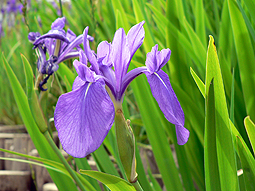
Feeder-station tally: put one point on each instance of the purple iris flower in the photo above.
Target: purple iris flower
(84, 116)
(59, 45)
(13, 7)
(1, 29)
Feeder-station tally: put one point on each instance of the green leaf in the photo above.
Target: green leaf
(245, 56)
(197, 45)
(44, 150)
(200, 84)
(154, 182)
(82, 163)
(66, 73)
(32, 162)
(32, 97)
(247, 21)
(48, 162)
(114, 183)
(142, 178)
(225, 148)
(51, 165)
(250, 128)
(250, 4)
(212, 178)
(248, 164)
(103, 161)
(140, 16)
(200, 24)
(118, 7)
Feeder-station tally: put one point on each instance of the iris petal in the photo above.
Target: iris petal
(90, 55)
(135, 37)
(157, 59)
(164, 94)
(58, 24)
(120, 55)
(84, 72)
(83, 118)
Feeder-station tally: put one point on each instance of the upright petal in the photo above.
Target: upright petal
(120, 55)
(164, 94)
(90, 55)
(157, 59)
(83, 118)
(84, 72)
(103, 52)
(83, 57)
(135, 38)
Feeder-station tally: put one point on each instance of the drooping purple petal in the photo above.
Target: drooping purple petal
(135, 38)
(58, 24)
(55, 34)
(70, 35)
(32, 36)
(76, 42)
(182, 134)
(157, 59)
(120, 55)
(164, 94)
(83, 118)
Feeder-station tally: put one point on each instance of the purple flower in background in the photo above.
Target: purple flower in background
(1, 29)
(59, 45)
(84, 116)
(54, 4)
(13, 7)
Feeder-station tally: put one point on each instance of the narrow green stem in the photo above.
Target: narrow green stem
(137, 186)
(61, 9)
(63, 160)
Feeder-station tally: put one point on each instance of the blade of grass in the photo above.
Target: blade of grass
(225, 149)
(243, 42)
(112, 182)
(248, 164)
(212, 178)
(39, 141)
(200, 24)
(250, 128)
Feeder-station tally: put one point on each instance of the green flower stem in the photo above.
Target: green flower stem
(61, 9)
(137, 186)
(63, 160)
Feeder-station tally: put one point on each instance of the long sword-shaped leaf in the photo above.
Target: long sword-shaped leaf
(50, 164)
(225, 149)
(250, 128)
(245, 55)
(114, 183)
(212, 177)
(63, 182)
(248, 164)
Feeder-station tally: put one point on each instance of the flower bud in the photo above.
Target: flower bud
(126, 145)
